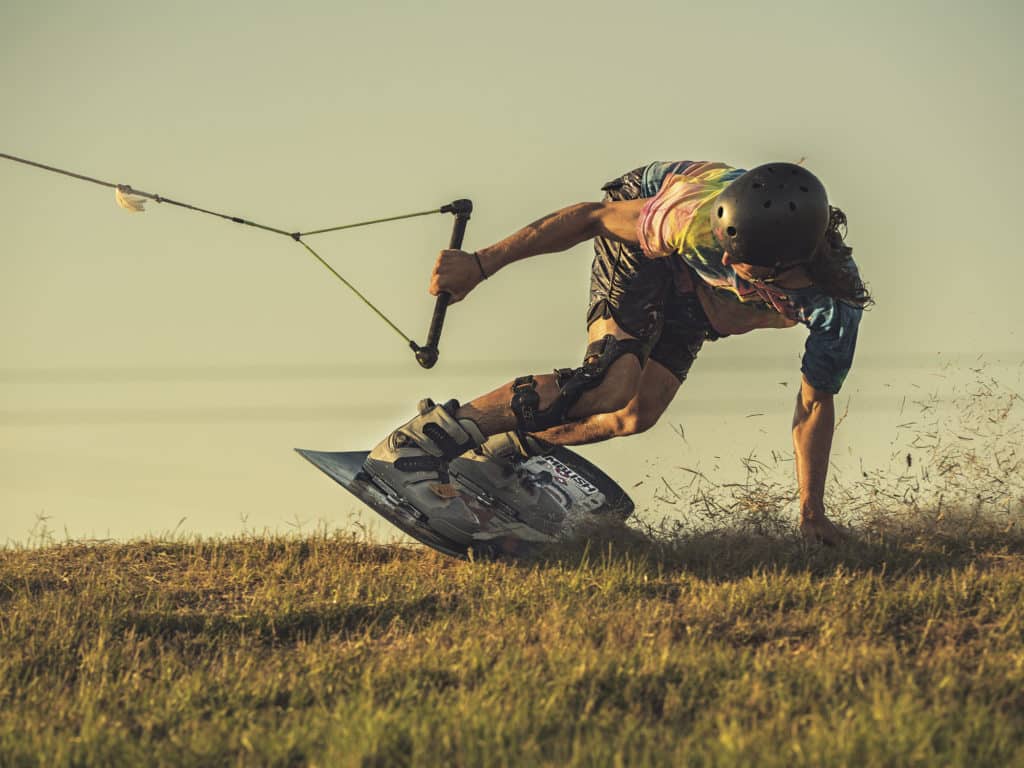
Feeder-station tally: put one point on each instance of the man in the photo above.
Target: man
(685, 252)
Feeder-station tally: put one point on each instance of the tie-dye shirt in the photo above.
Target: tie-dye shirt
(676, 223)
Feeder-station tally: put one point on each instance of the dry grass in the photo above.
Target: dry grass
(325, 650)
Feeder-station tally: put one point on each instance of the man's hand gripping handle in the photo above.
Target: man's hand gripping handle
(426, 355)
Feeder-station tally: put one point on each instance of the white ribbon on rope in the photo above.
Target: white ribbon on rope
(127, 199)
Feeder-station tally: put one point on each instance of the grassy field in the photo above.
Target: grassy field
(725, 641)
(717, 650)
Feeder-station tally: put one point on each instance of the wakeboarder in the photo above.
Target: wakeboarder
(685, 252)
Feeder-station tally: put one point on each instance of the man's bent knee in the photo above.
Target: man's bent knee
(614, 392)
(633, 420)
(574, 384)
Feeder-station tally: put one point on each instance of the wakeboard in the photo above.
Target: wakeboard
(503, 512)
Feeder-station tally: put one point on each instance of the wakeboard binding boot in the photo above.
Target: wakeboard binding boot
(413, 462)
(510, 449)
(503, 466)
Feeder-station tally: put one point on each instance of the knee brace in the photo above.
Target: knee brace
(572, 383)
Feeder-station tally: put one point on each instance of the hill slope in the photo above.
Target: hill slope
(722, 648)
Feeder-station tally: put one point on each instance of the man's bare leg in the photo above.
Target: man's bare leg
(656, 389)
(493, 414)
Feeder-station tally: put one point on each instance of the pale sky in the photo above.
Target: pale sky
(161, 366)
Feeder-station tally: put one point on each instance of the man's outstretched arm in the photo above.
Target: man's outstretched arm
(457, 272)
(814, 422)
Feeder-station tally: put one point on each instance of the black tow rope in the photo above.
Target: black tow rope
(426, 355)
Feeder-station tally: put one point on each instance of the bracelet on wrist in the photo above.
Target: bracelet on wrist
(480, 264)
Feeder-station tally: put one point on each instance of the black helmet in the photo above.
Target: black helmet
(774, 215)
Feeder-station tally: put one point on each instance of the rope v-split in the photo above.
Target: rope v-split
(133, 199)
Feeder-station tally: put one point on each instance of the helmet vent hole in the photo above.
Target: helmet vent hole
(758, 185)
(803, 188)
(731, 231)
(767, 203)
(792, 205)
(721, 211)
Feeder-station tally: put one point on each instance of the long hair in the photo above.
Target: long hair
(832, 268)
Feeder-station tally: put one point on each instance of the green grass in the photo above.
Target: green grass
(713, 649)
